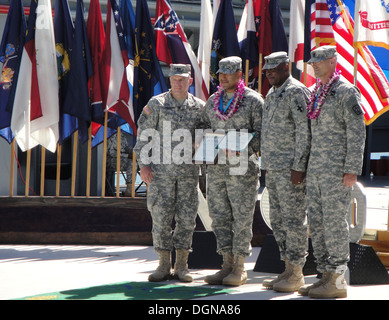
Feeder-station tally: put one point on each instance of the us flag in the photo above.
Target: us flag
(332, 24)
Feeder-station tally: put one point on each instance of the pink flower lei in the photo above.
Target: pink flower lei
(234, 106)
(312, 111)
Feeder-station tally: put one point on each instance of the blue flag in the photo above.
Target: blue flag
(280, 42)
(80, 71)
(11, 49)
(224, 41)
(63, 32)
(127, 15)
(148, 76)
(307, 30)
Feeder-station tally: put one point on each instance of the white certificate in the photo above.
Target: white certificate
(236, 140)
(207, 151)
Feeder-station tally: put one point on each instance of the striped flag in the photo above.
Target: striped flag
(35, 113)
(296, 41)
(173, 47)
(332, 24)
(205, 40)
(114, 62)
(248, 42)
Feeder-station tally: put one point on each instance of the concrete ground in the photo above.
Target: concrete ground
(27, 270)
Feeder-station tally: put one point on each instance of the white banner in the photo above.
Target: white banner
(372, 23)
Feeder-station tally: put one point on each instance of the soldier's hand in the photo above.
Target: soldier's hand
(297, 177)
(146, 174)
(349, 179)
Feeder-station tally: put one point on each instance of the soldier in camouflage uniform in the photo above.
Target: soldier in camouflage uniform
(232, 188)
(125, 158)
(165, 163)
(336, 157)
(285, 142)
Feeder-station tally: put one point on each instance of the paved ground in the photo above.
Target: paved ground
(31, 270)
(27, 270)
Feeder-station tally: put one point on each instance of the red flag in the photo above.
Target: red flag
(96, 35)
(172, 46)
(35, 113)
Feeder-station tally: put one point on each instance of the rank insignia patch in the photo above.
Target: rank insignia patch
(357, 110)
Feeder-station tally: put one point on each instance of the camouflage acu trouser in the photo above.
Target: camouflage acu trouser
(287, 215)
(231, 203)
(328, 201)
(173, 197)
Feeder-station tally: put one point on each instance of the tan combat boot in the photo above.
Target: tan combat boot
(304, 290)
(335, 286)
(163, 270)
(181, 271)
(269, 283)
(293, 281)
(226, 269)
(238, 276)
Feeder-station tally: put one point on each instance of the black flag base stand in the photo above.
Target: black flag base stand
(364, 266)
(204, 255)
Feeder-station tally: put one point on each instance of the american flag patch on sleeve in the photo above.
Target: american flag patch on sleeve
(147, 110)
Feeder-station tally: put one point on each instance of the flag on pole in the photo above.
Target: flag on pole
(271, 32)
(379, 53)
(332, 24)
(205, 40)
(296, 41)
(116, 91)
(172, 46)
(128, 18)
(35, 114)
(247, 38)
(96, 37)
(78, 77)
(148, 76)
(224, 40)
(372, 23)
(63, 31)
(11, 49)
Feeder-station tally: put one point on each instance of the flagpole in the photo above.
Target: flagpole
(247, 71)
(260, 73)
(350, 27)
(305, 74)
(118, 149)
(28, 169)
(74, 163)
(58, 177)
(104, 155)
(43, 161)
(88, 165)
(11, 179)
(133, 175)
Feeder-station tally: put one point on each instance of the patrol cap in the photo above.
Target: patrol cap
(275, 59)
(230, 65)
(183, 70)
(322, 53)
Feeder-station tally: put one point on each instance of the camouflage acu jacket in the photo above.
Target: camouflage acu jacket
(285, 135)
(338, 134)
(248, 117)
(165, 134)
